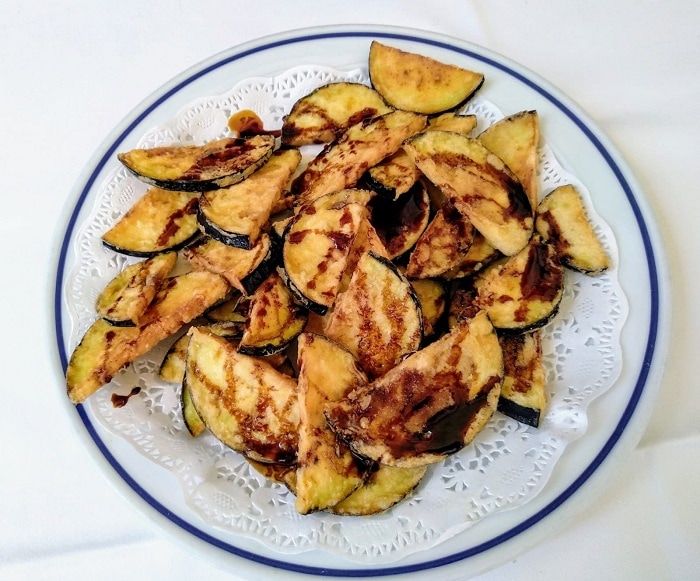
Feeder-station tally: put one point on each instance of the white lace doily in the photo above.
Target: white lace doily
(506, 466)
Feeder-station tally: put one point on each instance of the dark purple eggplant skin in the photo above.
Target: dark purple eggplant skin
(139, 254)
(228, 238)
(265, 268)
(522, 414)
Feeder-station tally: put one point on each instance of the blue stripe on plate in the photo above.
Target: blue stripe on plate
(460, 555)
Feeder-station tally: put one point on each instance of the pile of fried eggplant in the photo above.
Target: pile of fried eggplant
(347, 322)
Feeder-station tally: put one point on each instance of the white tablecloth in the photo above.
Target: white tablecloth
(70, 71)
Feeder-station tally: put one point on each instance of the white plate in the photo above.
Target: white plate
(614, 421)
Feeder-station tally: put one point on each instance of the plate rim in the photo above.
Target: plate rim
(648, 377)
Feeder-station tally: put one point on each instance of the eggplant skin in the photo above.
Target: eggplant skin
(197, 168)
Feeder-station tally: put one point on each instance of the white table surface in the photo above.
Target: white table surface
(70, 71)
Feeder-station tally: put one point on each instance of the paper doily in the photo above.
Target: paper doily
(507, 464)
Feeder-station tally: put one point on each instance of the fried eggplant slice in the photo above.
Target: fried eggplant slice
(561, 219)
(326, 113)
(479, 185)
(378, 319)
(236, 215)
(385, 487)
(341, 164)
(159, 221)
(523, 395)
(197, 168)
(399, 224)
(105, 349)
(522, 292)
(430, 405)
(515, 139)
(244, 269)
(443, 244)
(414, 82)
(327, 472)
(126, 297)
(244, 402)
(316, 247)
(274, 319)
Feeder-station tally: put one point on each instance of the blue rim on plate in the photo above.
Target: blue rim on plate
(585, 475)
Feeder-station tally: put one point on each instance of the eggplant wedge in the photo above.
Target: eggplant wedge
(414, 82)
(561, 219)
(523, 395)
(399, 224)
(443, 244)
(522, 292)
(105, 349)
(197, 168)
(159, 221)
(378, 319)
(244, 402)
(326, 113)
(385, 487)
(341, 164)
(515, 139)
(479, 185)
(327, 472)
(126, 297)
(235, 215)
(274, 319)
(317, 244)
(430, 405)
(244, 269)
